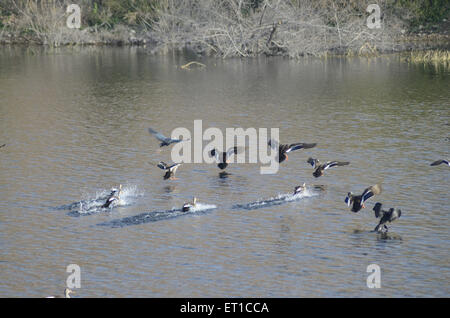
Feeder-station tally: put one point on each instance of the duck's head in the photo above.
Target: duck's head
(300, 188)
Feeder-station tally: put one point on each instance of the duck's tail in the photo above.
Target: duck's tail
(376, 189)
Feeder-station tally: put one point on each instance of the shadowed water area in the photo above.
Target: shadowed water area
(75, 123)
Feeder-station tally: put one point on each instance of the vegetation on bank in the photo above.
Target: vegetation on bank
(229, 27)
(429, 56)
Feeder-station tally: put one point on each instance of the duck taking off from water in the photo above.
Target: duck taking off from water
(438, 162)
(386, 216)
(113, 197)
(170, 170)
(358, 200)
(223, 157)
(284, 149)
(165, 141)
(329, 164)
(189, 205)
(67, 293)
(299, 189)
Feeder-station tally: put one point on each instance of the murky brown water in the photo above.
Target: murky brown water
(75, 124)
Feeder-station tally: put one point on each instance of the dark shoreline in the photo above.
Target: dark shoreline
(421, 41)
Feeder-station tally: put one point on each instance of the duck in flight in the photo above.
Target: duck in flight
(438, 162)
(165, 141)
(386, 216)
(223, 157)
(189, 205)
(67, 293)
(283, 150)
(113, 197)
(320, 168)
(358, 200)
(170, 170)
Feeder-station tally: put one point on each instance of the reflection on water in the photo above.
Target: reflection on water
(75, 124)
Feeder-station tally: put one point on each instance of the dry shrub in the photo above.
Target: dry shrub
(285, 27)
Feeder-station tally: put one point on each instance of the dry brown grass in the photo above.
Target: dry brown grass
(428, 56)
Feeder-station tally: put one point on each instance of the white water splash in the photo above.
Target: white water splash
(202, 207)
(197, 208)
(279, 199)
(127, 196)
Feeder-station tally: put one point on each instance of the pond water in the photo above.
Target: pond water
(75, 123)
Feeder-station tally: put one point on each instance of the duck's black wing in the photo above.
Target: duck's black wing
(392, 215)
(174, 167)
(299, 145)
(158, 135)
(377, 209)
(216, 154)
(388, 216)
(162, 165)
(438, 162)
(331, 164)
(370, 192)
(367, 194)
(234, 151)
(2, 145)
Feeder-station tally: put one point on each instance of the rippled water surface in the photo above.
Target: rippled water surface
(75, 125)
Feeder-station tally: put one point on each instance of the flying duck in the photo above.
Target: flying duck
(165, 141)
(284, 149)
(222, 157)
(170, 170)
(113, 197)
(358, 200)
(438, 162)
(299, 189)
(67, 292)
(386, 216)
(188, 205)
(329, 164)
